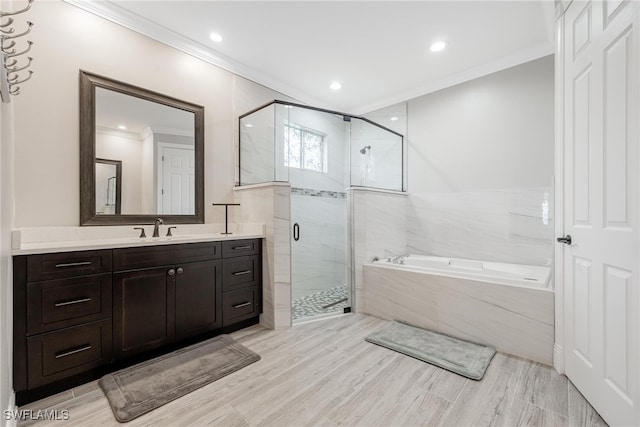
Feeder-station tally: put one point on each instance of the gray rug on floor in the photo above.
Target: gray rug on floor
(143, 387)
(462, 357)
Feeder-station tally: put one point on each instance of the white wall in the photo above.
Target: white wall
(6, 271)
(492, 132)
(67, 39)
(480, 167)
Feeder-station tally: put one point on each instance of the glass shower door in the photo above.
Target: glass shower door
(316, 153)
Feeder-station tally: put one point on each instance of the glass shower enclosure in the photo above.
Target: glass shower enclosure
(321, 154)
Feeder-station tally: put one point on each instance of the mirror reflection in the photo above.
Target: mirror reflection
(108, 187)
(154, 146)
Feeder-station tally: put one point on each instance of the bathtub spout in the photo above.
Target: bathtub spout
(399, 259)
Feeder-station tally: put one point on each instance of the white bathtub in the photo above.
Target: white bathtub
(508, 306)
(507, 274)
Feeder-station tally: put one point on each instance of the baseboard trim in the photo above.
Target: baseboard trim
(11, 409)
(558, 358)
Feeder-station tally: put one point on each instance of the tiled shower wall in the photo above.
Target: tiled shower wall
(508, 225)
(379, 229)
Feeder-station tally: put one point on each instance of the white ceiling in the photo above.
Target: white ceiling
(378, 50)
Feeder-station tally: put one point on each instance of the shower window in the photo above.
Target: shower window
(305, 148)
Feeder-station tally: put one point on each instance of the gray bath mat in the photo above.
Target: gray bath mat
(143, 387)
(462, 357)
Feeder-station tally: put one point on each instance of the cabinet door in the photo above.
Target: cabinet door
(143, 311)
(198, 298)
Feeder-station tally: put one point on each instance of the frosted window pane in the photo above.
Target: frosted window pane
(313, 151)
(304, 148)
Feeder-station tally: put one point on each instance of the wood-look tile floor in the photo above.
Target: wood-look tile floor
(324, 373)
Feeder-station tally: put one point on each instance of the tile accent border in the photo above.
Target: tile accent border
(297, 191)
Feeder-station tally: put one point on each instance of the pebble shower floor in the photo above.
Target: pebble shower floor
(312, 305)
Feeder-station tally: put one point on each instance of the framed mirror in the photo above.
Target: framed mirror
(141, 155)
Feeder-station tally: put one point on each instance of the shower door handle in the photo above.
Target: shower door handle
(296, 231)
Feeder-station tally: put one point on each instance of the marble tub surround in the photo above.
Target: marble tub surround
(378, 225)
(513, 319)
(505, 225)
(269, 204)
(65, 239)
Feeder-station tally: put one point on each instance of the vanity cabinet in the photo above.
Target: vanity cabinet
(62, 315)
(170, 295)
(241, 281)
(78, 315)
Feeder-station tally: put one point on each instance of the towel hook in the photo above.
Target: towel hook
(17, 11)
(13, 68)
(9, 45)
(6, 24)
(14, 53)
(14, 80)
(27, 31)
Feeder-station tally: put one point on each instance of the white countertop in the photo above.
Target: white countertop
(29, 241)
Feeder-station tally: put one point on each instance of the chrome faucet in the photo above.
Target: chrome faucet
(156, 227)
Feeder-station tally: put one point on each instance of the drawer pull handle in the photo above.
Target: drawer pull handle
(77, 301)
(239, 248)
(73, 264)
(242, 273)
(244, 304)
(70, 352)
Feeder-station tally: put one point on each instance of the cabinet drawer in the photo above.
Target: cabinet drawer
(158, 256)
(240, 305)
(240, 272)
(56, 304)
(234, 248)
(58, 355)
(68, 264)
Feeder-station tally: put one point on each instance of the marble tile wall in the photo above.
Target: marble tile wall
(379, 228)
(318, 258)
(257, 155)
(513, 319)
(380, 166)
(269, 204)
(510, 225)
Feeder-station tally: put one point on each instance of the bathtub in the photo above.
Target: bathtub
(507, 306)
(507, 274)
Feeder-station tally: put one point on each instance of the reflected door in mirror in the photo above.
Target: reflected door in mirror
(108, 187)
(145, 136)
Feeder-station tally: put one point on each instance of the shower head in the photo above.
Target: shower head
(363, 150)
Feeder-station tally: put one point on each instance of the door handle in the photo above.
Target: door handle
(296, 231)
(566, 239)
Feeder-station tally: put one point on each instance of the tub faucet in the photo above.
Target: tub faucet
(156, 227)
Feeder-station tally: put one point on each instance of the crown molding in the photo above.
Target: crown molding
(500, 64)
(132, 21)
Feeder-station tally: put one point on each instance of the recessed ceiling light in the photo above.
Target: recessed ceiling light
(393, 119)
(438, 46)
(215, 37)
(335, 86)
(248, 125)
(123, 127)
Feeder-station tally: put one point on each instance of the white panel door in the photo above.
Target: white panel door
(177, 194)
(601, 209)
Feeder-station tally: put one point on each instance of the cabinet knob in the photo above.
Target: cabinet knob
(171, 272)
(179, 270)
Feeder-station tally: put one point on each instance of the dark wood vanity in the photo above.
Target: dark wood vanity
(78, 315)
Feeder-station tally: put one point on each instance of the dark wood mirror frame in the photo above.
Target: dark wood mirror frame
(88, 84)
(118, 196)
